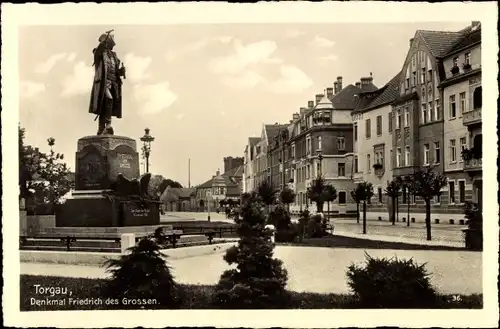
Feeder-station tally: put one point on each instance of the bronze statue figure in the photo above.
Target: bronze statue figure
(106, 96)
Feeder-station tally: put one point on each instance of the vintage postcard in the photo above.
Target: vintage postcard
(293, 164)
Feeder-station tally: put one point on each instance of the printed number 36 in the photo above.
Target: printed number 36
(456, 298)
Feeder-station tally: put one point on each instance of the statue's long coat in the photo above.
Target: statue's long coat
(98, 88)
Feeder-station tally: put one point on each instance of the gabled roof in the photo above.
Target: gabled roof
(469, 37)
(253, 140)
(273, 130)
(172, 194)
(439, 42)
(389, 94)
(344, 99)
(230, 178)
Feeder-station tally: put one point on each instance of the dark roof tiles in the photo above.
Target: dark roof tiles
(439, 42)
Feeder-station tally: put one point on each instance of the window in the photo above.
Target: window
(461, 191)
(407, 117)
(405, 196)
(414, 78)
(437, 199)
(455, 61)
(318, 169)
(437, 153)
(368, 163)
(390, 159)
(308, 150)
(293, 151)
(429, 75)
(407, 156)
(342, 197)
(407, 83)
(462, 103)
(379, 195)
(389, 120)
(398, 157)
(319, 143)
(426, 154)
(451, 191)
(424, 114)
(341, 169)
(463, 145)
(341, 143)
(422, 76)
(467, 58)
(431, 112)
(355, 164)
(453, 107)
(398, 121)
(453, 151)
(478, 98)
(368, 128)
(355, 132)
(379, 125)
(437, 109)
(308, 171)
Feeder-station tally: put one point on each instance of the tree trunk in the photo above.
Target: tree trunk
(357, 212)
(393, 219)
(364, 217)
(319, 206)
(428, 218)
(408, 222)
(328, 215)
(397, 209)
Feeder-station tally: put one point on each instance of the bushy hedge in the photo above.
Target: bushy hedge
(201, 296)
(391, 283)
(316, 226)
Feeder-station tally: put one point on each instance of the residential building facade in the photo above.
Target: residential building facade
(249, 164)
(462, 99)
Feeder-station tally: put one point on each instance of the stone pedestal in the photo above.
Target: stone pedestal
(127, 241)
(99, 160)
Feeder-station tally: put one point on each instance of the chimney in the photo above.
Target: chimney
(329, 92)
(358, 84)
(339, 83)
(335, 88)
(310, 104)
(296, 116)
(302, 110)
(411, 41)
(217, 173)
(319, 97)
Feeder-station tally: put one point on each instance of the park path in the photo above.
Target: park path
(310, 269)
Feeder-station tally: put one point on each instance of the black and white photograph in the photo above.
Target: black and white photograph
(200, 157)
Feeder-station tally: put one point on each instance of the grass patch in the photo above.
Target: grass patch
(337, 241)
(193, 297)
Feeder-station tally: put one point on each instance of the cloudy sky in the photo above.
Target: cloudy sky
(201, 89)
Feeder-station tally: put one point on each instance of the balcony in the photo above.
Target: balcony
(473, 164)
(472, 117)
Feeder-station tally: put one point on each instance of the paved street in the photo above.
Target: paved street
(320, 270)
(416, 231)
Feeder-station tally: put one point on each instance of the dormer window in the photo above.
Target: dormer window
(467, 58)
(455, 61)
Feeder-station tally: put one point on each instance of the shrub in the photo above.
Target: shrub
(143, 274)
(316, 226)
(474, 231)
(280, 218)
(258, 281)
(391, 283)
(288, 235)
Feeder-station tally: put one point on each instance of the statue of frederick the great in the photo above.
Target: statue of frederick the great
(106, 96)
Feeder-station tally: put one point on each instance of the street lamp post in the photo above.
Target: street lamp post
(146, 146)
(209, 198)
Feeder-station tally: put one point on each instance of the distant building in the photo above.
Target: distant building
(179, 199)
(228, 185)
(249, 164)
(231, 163)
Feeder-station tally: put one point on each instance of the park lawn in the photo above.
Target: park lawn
(338, 241)
(196, 296)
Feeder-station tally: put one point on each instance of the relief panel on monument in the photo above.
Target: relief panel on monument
(91, 170)
(123, 160)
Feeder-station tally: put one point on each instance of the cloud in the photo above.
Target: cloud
(294, 33)
(136, 67)
(192, 47)
(29, 89)
(45, 67)
(321, 42)
(71, 57)
(79, 82)
(245, 56)
(247, 80)
(155, 98)
(331, 57)
(292, 80)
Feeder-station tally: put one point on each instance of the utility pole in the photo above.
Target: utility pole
(189, 173)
